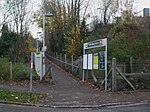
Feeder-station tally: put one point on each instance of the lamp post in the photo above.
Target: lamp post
(44, 47)
(45, 15)
(37, 39)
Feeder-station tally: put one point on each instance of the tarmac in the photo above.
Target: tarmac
(67, 92)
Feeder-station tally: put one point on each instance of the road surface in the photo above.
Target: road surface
(16, 108)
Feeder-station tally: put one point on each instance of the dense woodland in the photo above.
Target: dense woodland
(128, 35)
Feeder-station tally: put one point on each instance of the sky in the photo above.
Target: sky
(137, 6)
(35, 4)
(140, 4)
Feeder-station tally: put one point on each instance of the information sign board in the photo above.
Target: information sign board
(85, 61)
(95, 61)
(99, 59)
(95, 44)
(90, 62)
(102, 60)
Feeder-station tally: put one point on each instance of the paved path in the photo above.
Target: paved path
(66, 91)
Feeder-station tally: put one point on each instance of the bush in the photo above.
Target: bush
(4, 69)
(19, 71)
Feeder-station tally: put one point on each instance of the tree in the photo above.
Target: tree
(5, 13)
(108, 8)
(7, 40)
(130, 37)
(18, 14)
(66, 20)
(74, 43)
(18, 19)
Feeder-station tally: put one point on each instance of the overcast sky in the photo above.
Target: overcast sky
(138, 6)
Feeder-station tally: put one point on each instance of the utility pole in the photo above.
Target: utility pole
(44, 47)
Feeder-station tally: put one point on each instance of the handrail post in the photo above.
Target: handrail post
(72, 63)
(65, 61)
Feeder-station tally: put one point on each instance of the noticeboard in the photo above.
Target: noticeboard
(99, 60)
(95, 61)
(85, 61)
(90, 62)
(102, 60)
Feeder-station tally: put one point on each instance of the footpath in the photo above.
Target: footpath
(68, 92)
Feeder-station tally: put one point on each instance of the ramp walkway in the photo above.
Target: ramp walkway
(67, 91)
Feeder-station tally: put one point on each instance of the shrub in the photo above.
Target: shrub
(4, 69)
(19, 70)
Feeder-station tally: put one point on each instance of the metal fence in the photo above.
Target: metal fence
(133, 67)
(68, 63)
(138, 74)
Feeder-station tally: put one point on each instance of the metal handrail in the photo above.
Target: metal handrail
(61, 61)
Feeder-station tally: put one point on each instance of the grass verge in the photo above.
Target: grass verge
(21, 97)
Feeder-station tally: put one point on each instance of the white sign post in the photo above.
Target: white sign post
(87, 58)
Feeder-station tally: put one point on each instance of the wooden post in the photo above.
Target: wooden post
(53, 60)
(125, 79)
(11, 71)
(131, 64)
(124, 67)
(72, 63)
(94, 77)
(114, 83)
(65, 61)
(57, 58)
(60, 59)
(87, 75)
(107, 76)
(50, 74)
